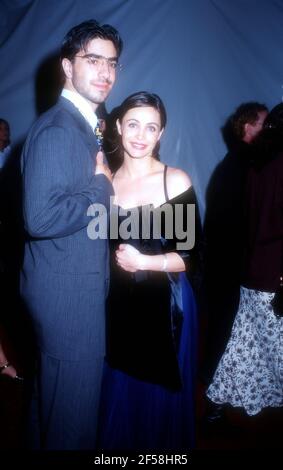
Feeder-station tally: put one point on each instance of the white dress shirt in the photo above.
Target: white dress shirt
(82, 105)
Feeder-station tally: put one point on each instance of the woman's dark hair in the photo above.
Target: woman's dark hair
(79, 36)
(143, 99)
(112, 139)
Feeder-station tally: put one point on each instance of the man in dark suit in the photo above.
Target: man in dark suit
(64, 279)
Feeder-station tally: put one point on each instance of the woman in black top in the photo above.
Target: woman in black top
(148, 387)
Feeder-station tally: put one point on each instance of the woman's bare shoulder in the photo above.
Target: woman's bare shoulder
(178, 181)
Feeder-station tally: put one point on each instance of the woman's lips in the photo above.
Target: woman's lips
(138, 146)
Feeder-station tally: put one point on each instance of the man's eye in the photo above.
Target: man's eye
(93, 61)
(132, 124)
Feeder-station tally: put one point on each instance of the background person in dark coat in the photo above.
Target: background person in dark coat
(65, 274)
(223, 232)
(250, 372)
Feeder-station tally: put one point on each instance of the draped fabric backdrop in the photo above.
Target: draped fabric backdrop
(203, 57)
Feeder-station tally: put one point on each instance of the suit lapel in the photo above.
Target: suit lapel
(83, 125)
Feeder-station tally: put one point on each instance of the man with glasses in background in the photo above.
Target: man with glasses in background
(64, 278)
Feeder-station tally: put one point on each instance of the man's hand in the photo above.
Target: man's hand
(101, 168)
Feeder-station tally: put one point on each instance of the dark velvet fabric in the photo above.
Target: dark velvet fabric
(145, 312)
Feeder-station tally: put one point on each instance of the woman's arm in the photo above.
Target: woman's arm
(131, 260)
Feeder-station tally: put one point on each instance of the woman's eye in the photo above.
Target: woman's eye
(152, 129)
(132, 124)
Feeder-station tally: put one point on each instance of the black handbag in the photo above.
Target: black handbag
(277, 301)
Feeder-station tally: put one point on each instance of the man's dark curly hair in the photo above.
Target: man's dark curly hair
(79, 36)
(245, 113)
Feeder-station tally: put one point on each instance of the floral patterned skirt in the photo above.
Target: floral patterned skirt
(250, 372)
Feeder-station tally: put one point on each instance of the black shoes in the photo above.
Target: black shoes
(214, 412)
(214, 420)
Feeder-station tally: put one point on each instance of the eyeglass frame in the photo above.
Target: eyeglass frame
(109, 60)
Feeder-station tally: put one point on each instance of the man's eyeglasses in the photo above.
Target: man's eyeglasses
(98, 61)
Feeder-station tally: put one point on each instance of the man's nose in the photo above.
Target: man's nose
(104, 70)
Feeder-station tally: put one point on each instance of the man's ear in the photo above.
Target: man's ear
(67, 67)
(247, 129)
(118, 126)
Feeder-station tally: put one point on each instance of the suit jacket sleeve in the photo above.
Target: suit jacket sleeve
(53, 205)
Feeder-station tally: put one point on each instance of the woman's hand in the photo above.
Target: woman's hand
(129, 258)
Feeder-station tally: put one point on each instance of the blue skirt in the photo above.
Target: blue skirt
(140, 416)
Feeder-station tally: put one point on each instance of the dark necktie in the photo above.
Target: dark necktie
(99, 136)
